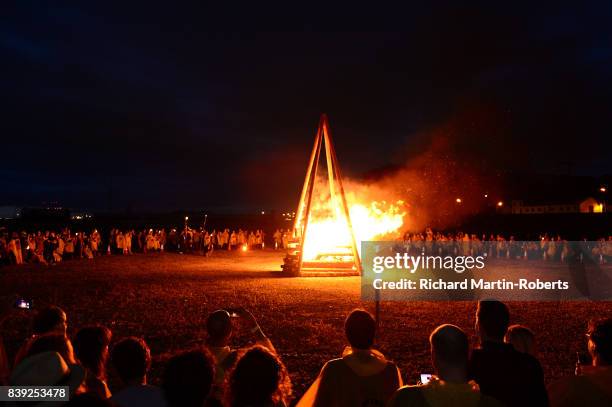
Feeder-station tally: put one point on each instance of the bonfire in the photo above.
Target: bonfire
(331, 222)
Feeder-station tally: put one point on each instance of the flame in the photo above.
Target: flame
(328, 233)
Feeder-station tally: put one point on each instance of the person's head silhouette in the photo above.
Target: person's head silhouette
(360, 329)
(188, 378)
(600, 341)
(449, 353)
(521, 338)
(259, 378)
(492, 320)
(219, 328)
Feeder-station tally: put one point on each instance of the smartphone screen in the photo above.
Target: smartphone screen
(23, 303)
(425, 378)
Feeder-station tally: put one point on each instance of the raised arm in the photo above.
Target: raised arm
(260, 336)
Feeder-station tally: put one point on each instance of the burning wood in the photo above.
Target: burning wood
(329, 228)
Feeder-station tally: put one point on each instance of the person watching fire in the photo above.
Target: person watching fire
(591, 385)
(512, 377)
(363, 376)
(449, 348)
(219, 328)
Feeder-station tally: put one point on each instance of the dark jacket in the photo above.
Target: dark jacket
(512, 377)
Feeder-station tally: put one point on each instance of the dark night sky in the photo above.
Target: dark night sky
(176, 106)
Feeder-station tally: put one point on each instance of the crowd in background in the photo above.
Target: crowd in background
(51, 247)
(503, 370)
(547, 248)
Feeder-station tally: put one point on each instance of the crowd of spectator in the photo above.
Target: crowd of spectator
(546, 247)
(50, 247)
(502, 371)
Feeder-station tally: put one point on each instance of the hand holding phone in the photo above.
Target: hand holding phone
(241, 312)
(233, 312)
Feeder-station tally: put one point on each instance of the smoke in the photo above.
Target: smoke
(453, 161)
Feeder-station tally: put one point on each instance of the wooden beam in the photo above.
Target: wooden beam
(298, 223)
(312, 176)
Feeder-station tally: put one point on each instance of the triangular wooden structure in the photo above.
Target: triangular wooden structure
(323, 142)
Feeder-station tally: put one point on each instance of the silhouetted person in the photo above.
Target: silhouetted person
(47, 369)
(91, 350)
(51, 319)
(131, 359)
(449, 355)
(502, 372)
(522, 339)
(259, 379)
(52, 343)
(362, 376)
(48, 320)
(219, 329)
(188, 378)
(593, 387)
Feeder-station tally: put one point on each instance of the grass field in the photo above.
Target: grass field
(165, 298)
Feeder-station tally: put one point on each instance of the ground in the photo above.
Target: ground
(165, 298)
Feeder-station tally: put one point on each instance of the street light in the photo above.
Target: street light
(500, 204)
(602, 189)
(458, 200)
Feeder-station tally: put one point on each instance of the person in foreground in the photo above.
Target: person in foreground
(259, 379)
(188, 378)
(91, 350)
(363, 376)
(131, 359)
(219, 330)
(50, 320)
(449, 356)
(52, 343)
(522, 339)
(47, 369)
(512, 377)
(593, 387)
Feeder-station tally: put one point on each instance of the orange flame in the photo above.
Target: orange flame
(328, 233)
